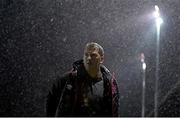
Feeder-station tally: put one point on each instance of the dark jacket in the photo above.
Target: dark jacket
(67, 94)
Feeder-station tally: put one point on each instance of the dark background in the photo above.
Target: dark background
(42, 38)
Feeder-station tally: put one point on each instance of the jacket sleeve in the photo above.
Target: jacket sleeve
(112, 97)
(53, 96)
(115, 97)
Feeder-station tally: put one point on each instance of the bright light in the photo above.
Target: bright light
(144, 66)
(156, 8)
(159, 21)
(156, 14)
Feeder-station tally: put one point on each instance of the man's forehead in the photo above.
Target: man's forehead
(90, 49)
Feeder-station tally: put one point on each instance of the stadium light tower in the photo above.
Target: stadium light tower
(159, 21)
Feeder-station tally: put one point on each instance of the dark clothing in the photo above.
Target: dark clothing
(77, 94)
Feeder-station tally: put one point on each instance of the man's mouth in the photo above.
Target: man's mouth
(88, 62)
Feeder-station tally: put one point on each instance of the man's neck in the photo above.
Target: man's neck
(95, 73)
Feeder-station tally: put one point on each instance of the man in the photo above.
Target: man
(89, 89)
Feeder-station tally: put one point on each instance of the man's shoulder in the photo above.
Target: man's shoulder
(106, 72)
(104, 69)
(67, 75)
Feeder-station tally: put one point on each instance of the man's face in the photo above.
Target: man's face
(92, 59)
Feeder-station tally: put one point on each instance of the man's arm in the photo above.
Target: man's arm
(53, 96)
(115, 97)
(112, 96)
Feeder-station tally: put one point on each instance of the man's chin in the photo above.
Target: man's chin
(91, 67)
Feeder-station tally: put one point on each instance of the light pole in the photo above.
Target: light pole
(143, 84)
(159, 21)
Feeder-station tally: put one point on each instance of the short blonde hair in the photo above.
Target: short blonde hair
(96, 45)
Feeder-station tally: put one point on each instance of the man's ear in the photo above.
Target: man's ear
(102, 59)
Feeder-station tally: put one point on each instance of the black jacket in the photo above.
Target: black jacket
(66, 96)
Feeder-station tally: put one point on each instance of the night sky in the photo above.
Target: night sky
(40, 39)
